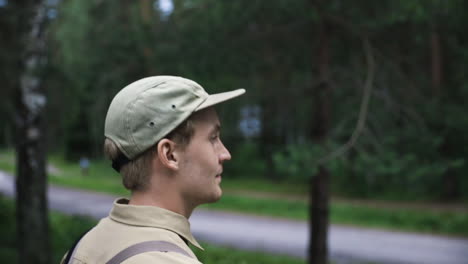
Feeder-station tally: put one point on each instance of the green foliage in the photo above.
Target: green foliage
(391, 174)
(298, 162)
(392, 171)
(7, 231)
(101, 177)
(216, 254)
(246, 162)
(97, 56)
(414, 142)
(264, 185)
(294, 209)
(64, 231)
(7, 161)
(403, 219)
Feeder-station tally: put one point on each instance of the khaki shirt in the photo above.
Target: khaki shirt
(127, 225)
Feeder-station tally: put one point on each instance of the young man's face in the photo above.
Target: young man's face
(202, 160)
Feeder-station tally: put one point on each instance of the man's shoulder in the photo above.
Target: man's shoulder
(109, 233)
(109, 238)
(150, 257)
(161, 257)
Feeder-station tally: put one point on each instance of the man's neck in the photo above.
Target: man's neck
(168, 202)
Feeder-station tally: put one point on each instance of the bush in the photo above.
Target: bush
(64, 231)
(246, 162)
(392, 172)
(297, 162)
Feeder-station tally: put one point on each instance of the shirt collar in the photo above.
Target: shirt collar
(152, 216)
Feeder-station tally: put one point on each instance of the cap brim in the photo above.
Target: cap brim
(214, 99)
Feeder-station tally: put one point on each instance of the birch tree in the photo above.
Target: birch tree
(31, 202)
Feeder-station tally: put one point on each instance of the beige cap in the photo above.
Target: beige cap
(145, 111)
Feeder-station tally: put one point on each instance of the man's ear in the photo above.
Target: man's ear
(167, 154)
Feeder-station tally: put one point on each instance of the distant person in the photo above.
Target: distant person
(162, 135)
(84, 165)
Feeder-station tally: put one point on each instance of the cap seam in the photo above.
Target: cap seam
(132, 104)
(127, 122)
(119, 146)
(127, 125)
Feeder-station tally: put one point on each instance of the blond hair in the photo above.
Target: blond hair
(136, 173)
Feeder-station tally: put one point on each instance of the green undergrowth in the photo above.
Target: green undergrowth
(218, 254)
(7, 161)
(438, 222)
(63, 232)
(100, 177)
(65, 229)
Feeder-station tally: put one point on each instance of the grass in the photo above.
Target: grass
(7, 162)
(65, 229)
(218, 254)
(438, 222)
(100, 177)
(260, 185)
(272, 199)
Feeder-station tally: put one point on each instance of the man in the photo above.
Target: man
(163, 136)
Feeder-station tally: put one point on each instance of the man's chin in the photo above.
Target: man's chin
(216, 196)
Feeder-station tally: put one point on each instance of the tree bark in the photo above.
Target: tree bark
(272, 132)
(319, 207)
(31, 182)
(146, 10)
(147, 15)
(450, 180)
(436, 62)
(320, 192)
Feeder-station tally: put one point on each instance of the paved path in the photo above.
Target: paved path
(347, 245)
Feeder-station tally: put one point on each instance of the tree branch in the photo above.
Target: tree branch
(364, 105)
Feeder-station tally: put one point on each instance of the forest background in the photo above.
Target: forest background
(415, 140)
(369, 95)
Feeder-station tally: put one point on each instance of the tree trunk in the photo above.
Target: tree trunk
(31, 184)
(147, 12)
(450, 180)
(319, 205)
(319, 195)
(272, 133)
(436, 62)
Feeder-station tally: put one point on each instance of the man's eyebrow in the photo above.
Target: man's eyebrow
(216, 128)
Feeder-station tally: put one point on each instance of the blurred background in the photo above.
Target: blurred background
(382, 81)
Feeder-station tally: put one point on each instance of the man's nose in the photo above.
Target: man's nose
(224, 155)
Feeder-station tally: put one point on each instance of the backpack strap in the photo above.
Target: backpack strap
(147, 246)
(72, 249)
